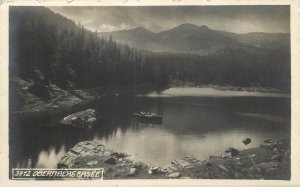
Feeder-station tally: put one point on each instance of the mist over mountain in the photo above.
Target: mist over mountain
(193, 39)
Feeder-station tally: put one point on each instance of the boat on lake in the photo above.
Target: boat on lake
(148, 116)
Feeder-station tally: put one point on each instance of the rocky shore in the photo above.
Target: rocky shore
(269, 161)
(35, 100)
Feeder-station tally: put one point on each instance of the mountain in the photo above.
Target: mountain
(261, 39)
(46, 49)
(139, 34)
(193, 39)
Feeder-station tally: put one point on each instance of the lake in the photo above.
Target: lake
(199, 122)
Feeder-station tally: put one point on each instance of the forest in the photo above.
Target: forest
(71, 56)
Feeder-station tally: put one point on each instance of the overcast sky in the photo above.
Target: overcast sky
(238, 19)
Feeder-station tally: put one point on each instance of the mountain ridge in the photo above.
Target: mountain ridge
(142, 27)
(194, 39)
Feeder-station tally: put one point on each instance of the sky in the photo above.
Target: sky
(237, 19)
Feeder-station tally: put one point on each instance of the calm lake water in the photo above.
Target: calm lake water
(196, 121)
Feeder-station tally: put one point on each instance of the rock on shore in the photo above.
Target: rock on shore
(81, 152)
(269, 161)
(81, 119)
(92, 154)
(33, 100)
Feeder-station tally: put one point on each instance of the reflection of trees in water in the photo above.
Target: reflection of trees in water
(28, 140)
(32, 140)
(200, 115)
(203, 115)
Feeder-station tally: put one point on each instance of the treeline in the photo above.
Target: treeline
(70, 56)
(236, 67)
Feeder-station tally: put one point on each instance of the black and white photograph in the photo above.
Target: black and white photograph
(150, 92)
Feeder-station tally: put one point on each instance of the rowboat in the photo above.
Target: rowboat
(147, 116)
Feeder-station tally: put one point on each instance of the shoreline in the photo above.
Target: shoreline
(269, 161)
(30, 106)
(60, 101)
(177, 83)
(78, 99)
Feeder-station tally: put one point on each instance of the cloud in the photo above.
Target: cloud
(239, 19)
(108, 27)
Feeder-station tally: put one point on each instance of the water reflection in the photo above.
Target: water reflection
(197, 126)
(211, 92)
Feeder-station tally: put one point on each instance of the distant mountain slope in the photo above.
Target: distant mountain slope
(193, 39)
(261, 39)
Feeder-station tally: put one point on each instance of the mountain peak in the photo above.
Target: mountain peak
(204, 27)
(191, 27)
